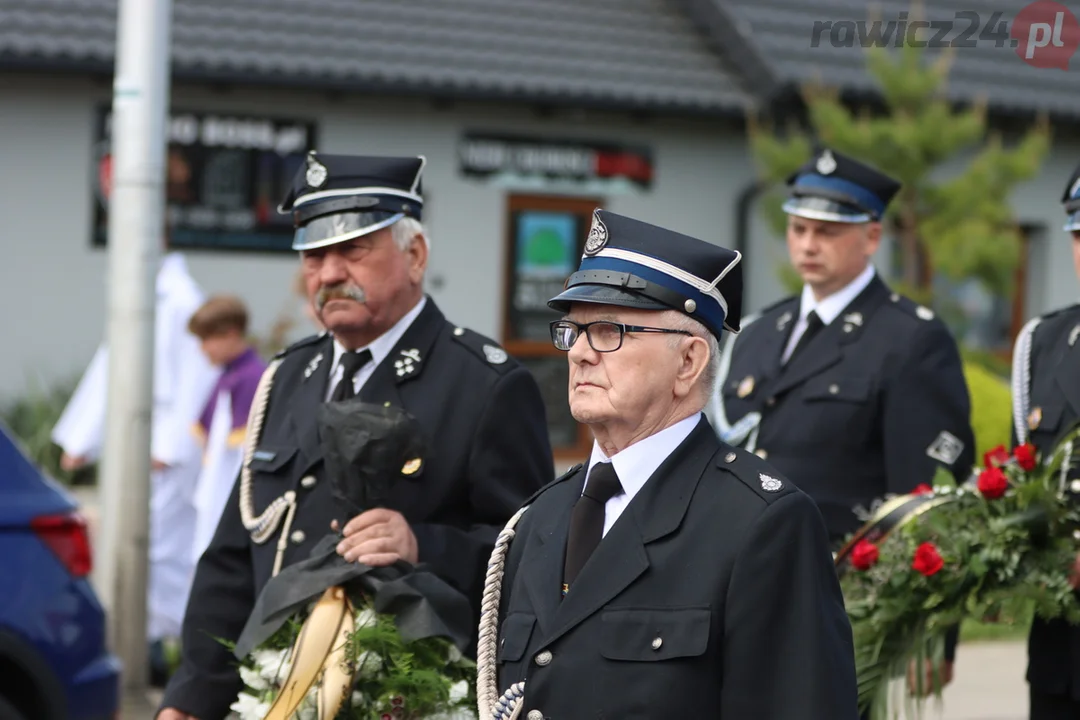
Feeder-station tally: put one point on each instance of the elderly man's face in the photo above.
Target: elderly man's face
(629, 383)
(359, 286)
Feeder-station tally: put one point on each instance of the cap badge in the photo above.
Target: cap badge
(598, 236)
(770, 484)
(495, 355)
(1034, 418)
(826, 164)
(316, 172)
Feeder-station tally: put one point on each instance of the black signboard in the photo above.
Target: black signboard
(492, 155)
(225, 173)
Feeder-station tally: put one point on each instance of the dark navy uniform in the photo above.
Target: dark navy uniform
(487, 450)
(1046, 406)
(713, 594)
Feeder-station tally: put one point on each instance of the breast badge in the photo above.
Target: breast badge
(746, 386)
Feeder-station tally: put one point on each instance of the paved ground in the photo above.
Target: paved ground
(989, 682)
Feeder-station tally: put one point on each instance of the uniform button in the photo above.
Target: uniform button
(833, 389)
(657, 642)
(543, 658)
(459, 331)
(771, 401)
(297, 537)
(730, 457)
(1075, 486)
(535, 715)
(308, 482)
(760, 452)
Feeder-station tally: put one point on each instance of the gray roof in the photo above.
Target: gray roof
(626, 54)
(781, 30)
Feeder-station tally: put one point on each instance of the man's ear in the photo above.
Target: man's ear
(693, 359)
(417, 256)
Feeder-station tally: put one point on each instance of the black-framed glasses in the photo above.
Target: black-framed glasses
(604, 335)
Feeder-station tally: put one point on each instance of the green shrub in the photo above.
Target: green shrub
(31, 419)
(991, 407)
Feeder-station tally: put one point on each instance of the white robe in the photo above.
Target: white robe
(183, 379)
(221, 466)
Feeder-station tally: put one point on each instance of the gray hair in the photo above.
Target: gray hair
(407, 228)
(679, 321)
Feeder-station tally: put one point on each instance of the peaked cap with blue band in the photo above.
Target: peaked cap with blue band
(335, 198)
(634, 264)
(837, 188)
(1071, 199)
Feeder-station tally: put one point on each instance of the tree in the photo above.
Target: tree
(960, 226)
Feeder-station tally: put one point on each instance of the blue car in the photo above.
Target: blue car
(54, 664)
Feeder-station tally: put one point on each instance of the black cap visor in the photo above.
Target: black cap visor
(603, 295)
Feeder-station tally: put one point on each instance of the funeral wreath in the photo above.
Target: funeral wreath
(1000, 544)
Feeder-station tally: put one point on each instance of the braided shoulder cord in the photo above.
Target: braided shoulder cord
(732, 434)
(1021, 379)
(490, 705)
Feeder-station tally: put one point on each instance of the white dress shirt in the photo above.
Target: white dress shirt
(636, 464)
(380, 347)
(828, 309)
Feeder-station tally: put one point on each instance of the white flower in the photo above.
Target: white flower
(273, 665)
(459, 691)
(357, 698)
(366, 618)
(309, 709)
(253, 679)
(248, 707)
(368, 662)
(454, 654)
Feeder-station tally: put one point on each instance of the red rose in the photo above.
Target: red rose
(864, 555)
(1025, 456)
(996, 457)
(993, 483)
(922, 489)
(927, 559)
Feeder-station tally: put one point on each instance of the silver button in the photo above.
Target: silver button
(298, 536)
(760, 452)
(730, 457)
(459, 331)
(543, 658)
(834, 388)
(1075, 486)
(657, 642)
(308, 482)
(535, 715)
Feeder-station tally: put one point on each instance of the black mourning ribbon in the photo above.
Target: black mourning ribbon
(366, 448)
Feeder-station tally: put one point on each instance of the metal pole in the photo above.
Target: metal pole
(136, 229)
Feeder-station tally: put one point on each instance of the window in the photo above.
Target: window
(545, 236)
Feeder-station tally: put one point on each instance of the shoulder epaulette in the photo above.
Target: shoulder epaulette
(1060, 311)
(755, 473)
(484, 348)
(552, 484)
(305, 342)
(910, 307)
(775, 305)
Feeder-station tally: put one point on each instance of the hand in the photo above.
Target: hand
(157, 465)
(174, 714)
(69, 463)
(378, 537)
(945, 672)
(1074, 573)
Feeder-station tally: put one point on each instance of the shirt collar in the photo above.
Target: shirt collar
(381, 346)
(831, 307)
(635, 464)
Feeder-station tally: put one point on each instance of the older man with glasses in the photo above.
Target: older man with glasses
(674, 576)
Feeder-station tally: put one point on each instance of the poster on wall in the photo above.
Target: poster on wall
(543, 164)
(547, 246)
(225, 175)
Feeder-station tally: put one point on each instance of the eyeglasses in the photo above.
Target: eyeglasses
(604, 336)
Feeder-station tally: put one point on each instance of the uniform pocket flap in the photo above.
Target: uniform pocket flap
(270, 459)
(843, 389)
(516, 630)
(651, 634)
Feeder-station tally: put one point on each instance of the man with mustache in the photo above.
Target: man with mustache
(364, 254)
(850, 389)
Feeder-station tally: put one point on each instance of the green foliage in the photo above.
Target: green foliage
(960, 224)
(991, 408)
(31, 419)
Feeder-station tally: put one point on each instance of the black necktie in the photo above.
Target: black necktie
(587, 520)
(813, 326)
(350, 363)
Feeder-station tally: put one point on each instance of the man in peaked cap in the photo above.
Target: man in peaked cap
(673, 575)
(364, 252)
(1046, 406)
(850, 389)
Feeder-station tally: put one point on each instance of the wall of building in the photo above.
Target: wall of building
(52, 286)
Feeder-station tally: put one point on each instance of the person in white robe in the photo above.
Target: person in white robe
(183, 378)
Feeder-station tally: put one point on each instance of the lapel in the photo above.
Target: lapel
(826, 349)
(655, 512)
(776, 339)
(1066, 375)
(306, 399)
(405, 363)
(544, 570)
